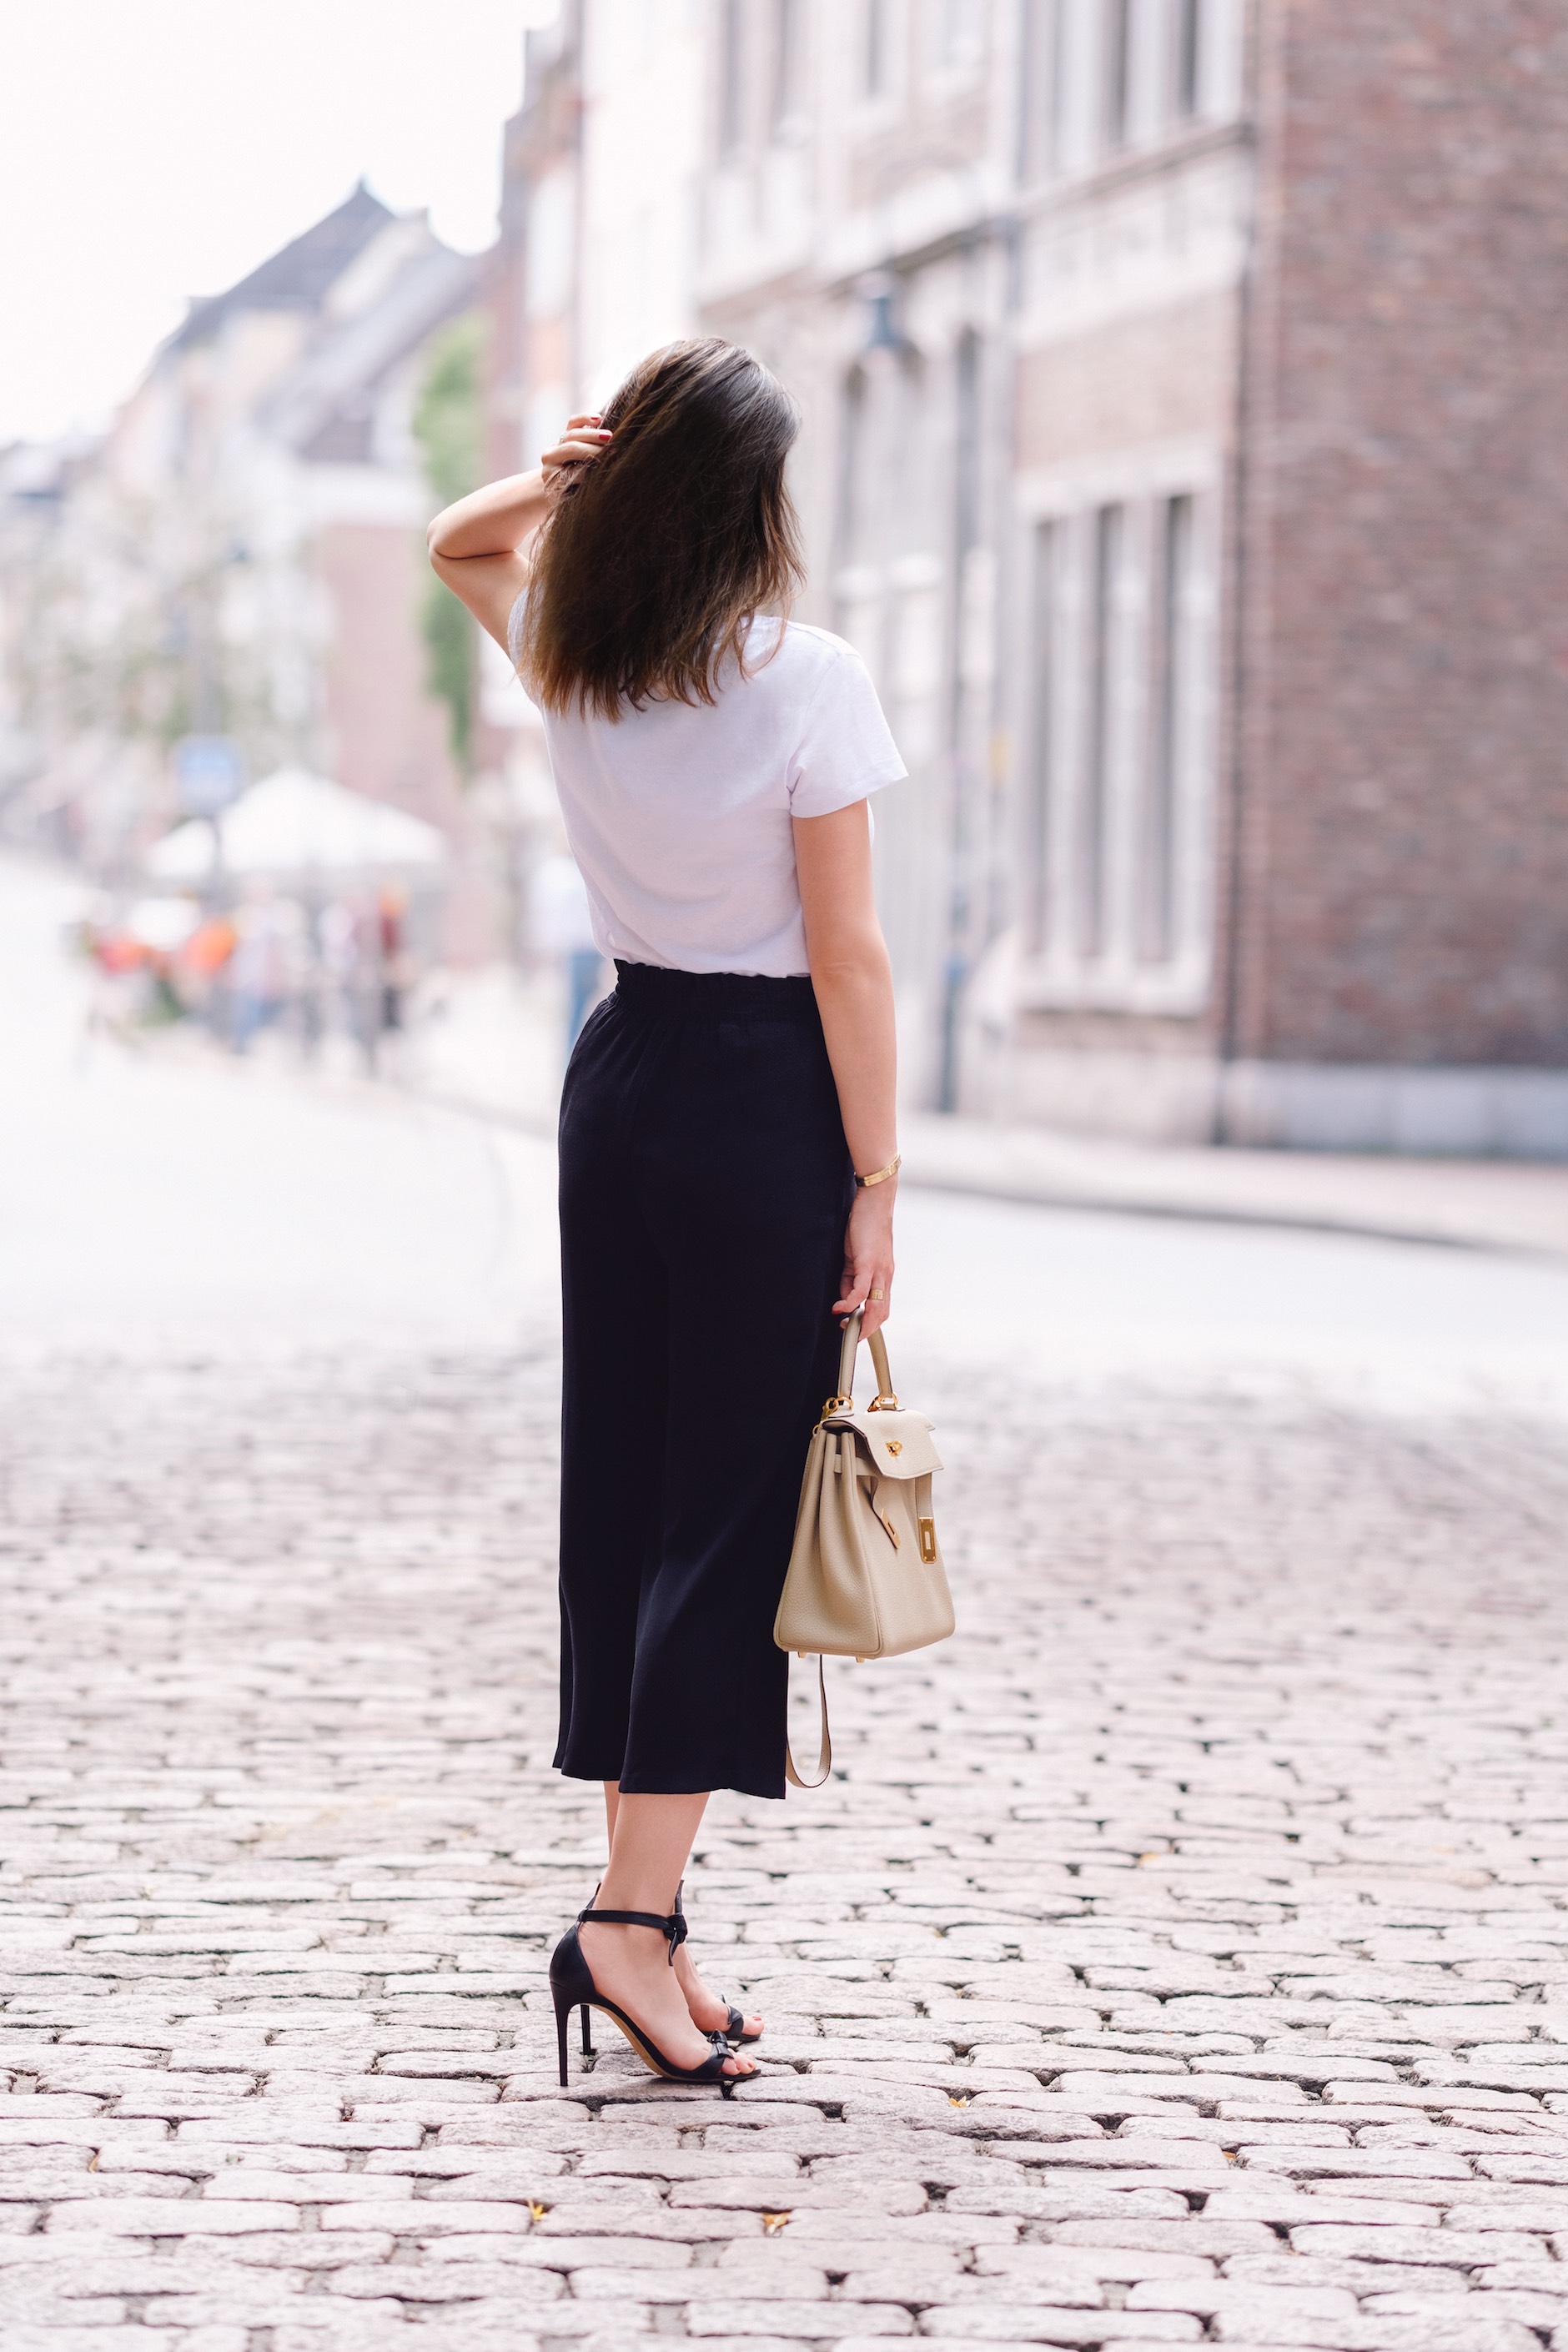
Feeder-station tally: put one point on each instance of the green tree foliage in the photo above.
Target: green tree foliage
(449, 664)
(448, 422)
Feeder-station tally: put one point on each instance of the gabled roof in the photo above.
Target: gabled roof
(324, 407)
(300, 275)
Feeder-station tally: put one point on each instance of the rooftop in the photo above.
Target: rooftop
(299, 276)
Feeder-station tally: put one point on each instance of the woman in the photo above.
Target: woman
(728, 1153)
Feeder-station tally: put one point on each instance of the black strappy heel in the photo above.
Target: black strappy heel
(735, 2023)
(572, 1987)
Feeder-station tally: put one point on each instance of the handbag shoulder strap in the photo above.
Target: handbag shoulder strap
(824, 1745)
(847, 1352)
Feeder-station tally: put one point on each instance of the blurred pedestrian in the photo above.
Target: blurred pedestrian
(118, 964)
(335, 935)
(266, 964)
(350, 934)
(392, 951)
(561, 926)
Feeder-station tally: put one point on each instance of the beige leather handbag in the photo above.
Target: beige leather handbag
(865, 1578)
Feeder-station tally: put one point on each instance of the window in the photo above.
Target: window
(1038, 809)
(853, 534)
(877, 54)
(1172, 696)
(1105, 571)
(888, 526)
(1040, 89)
(550, 233)
(731, 77)
(910, 521)
(966, 457)
(1115, 813)
(1189, 57)
(1118, 69)
(957, 27)
(787, 63)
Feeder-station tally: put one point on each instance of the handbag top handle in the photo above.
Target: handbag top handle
(886, 1402)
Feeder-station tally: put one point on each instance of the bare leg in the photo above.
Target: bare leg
(649, 1848)
(708, 2012)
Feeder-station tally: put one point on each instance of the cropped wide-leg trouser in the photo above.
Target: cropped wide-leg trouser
(705, 1185)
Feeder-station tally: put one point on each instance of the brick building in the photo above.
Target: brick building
(1399, 961)
(1185, 451)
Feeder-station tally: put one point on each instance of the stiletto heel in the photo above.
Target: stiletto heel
(572, 1986)
(734, 2023)
(587, 2038)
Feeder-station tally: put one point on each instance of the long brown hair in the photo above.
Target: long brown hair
(656, 556)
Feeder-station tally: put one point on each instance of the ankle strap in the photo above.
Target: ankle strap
(672, 1929)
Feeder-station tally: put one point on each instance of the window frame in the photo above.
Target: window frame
(787, 108)
(1074, 955)
(1193, 21)
(1042, 50)
(731, 118)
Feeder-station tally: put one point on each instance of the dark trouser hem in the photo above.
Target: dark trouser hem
(722, 1779)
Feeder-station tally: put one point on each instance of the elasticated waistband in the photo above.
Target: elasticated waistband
(654, 990)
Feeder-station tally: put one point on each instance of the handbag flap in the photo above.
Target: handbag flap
(899, 1443)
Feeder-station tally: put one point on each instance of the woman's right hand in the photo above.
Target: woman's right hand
(584, 437)
(867, 1284)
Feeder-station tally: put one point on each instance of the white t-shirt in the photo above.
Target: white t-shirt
(679, 814)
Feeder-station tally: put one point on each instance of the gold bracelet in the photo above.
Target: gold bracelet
(882, 1174)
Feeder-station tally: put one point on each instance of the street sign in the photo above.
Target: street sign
(209, 773)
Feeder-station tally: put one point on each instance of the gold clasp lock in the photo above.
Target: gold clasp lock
(928, 1538)
(894, 1444)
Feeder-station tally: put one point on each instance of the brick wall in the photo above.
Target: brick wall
(1403, 885)
(1165, 373)
(388, 734)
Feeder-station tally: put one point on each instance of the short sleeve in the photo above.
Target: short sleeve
(846, 751)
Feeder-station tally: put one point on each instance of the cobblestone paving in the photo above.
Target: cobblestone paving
(1180, 1955)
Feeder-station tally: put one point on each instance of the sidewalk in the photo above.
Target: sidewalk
(494, 1053)
(1470, 1203)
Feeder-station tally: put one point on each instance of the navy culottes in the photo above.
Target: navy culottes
(705, 1185)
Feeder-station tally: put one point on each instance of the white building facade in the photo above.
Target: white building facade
(1143, 459)
(996, 248)
(984, 242)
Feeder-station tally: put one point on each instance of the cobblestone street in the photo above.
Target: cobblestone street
(1177, 1956)
(1178, 1953)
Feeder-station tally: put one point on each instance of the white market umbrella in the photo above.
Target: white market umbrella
(294, 823)
(162, 924)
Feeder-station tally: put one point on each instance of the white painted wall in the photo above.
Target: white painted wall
(644, 73)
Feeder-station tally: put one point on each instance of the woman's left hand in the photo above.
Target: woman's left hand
(868, 1284)
(585, 436)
